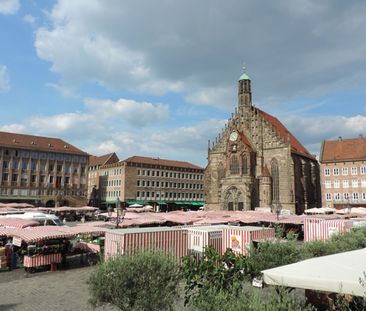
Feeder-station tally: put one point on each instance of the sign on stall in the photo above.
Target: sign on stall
(17, 241)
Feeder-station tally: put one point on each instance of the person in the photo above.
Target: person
(64, 220)
(83, 219)
(8, 253)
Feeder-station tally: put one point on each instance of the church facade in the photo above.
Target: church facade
(256, 162)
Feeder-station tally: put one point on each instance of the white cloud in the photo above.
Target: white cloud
(312, 130)
(130, 111)
(13, 128)
(4, 79)
(9, 6)
(220, 96)
(65, 91)
(30, 19)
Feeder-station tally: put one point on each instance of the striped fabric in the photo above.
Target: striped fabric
(17, 223)
(199, 239)
(240, 238)
(171, 242)
(41, 260)
(322, 229)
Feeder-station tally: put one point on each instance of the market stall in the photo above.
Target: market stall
(40, 246)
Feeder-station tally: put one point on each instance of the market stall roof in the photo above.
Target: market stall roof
(31, 235)
(339, 273)
(320, 210)
(73, 231)
(69, 209)
(17, 223)
(4, 232)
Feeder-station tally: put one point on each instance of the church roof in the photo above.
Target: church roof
(285, 134)
(244, 76)
(245, 140)
(343, 150)
(101, 160)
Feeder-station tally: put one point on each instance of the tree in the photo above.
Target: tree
(148, 282)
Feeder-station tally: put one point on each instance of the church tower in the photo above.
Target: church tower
(244, 92)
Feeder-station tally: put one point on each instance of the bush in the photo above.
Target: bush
(218, 300)
(212, 272)
(148, 282)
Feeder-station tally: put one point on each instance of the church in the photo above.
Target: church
(256, 162)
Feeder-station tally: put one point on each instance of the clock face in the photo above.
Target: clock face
(233, 136)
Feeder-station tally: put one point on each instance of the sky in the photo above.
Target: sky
(159, 78)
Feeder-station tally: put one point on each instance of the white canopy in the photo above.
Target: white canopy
(136, 205)
(339, 273)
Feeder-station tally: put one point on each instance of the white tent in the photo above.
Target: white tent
(339, 273)
(136, 205)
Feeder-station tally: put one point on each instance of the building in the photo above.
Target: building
(42, 170)
(343, 172)
(151, 181)
(256, 162)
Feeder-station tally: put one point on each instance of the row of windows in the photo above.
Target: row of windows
(112, 194)
(345, 183)
(42, 179)
(110, 183)
(169, 174)
(345, 171)
(43, 155)
(36, 192)
(170, 195)
(165, 184)
(345, 196)
(33, 165)
(114, 172)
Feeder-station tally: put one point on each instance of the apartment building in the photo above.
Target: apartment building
(343, 172)
(42, 170)
(152, 181)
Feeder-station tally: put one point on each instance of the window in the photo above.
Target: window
(363, 195)
(138, 172)
(354, 171)
(157, 184)
(336, 184)
(14, 178)
(5, 164)
(355, 196)
(354, 183)
(345, 183)
(275, 180)
(244, 165)
(148, 173)
(337, 197)
(335, 171)
(234, 165)
(326, 172)
(5, 177)
(33, 178)
(346, 196)
(15, 164)
(143, 183)
(328, 196)
(363, 170)
(363, 183)
(344, 171)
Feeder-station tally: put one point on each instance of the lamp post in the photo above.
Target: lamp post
(277, 207)
(121, 212)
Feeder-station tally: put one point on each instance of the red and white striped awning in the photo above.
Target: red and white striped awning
(17, 223)
(36, 234)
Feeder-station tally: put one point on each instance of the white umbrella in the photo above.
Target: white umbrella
(135, 205)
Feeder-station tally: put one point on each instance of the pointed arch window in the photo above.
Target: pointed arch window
(244, 165)
(275, 180)
(234, 165)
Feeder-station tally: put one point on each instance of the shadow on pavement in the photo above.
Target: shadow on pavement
(9, 306)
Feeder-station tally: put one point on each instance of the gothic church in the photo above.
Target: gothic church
(257, 162)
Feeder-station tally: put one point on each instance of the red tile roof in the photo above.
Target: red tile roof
(39, 143)
(101, 160)
(343, 150)
(162, 162)
(285, 134)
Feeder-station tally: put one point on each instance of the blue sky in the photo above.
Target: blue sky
(158, 78)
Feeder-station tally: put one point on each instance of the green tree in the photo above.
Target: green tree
(148, 282)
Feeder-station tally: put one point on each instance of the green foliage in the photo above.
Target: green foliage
(272, 254)
(249, 300)
(147, 282)
(212, 272)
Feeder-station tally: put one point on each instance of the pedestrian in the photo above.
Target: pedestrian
(64, 220)
(8, 253)
(83, 219)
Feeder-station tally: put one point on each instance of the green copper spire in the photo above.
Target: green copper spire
(244, 76)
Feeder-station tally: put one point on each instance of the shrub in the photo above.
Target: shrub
(250, 300)
(148, 282)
